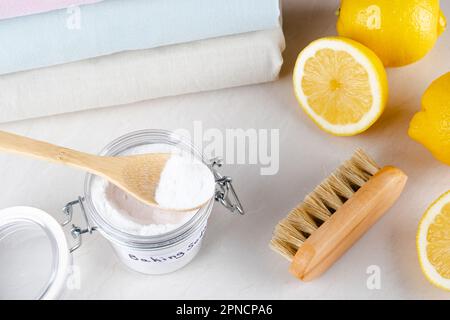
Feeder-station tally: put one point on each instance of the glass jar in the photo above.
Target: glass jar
(169, 251)
(24, 230)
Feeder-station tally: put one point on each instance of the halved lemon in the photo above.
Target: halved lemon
(341, 84)
(433, 242)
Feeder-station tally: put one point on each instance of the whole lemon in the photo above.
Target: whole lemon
(431, 126)
(400, 32)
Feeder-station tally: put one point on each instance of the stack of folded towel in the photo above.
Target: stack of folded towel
(60, 56)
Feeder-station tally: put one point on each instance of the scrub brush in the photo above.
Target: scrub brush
(336, 214)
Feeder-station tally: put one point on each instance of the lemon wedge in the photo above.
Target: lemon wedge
(341, 85)
(433, 242)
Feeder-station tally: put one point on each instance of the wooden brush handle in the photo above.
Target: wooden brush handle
(22, 145)
(348, 224)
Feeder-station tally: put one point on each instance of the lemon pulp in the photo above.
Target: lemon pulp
(341, 85)
(438, 246)
(337, 87)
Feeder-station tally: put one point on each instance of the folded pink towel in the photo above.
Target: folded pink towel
(17, 8)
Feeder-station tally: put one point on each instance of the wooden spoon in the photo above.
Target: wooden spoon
(137, 175)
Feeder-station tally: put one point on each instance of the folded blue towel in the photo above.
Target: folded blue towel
(116, 25)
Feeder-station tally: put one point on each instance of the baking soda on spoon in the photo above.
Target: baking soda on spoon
(185, 182)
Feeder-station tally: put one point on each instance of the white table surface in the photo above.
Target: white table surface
(235, 261)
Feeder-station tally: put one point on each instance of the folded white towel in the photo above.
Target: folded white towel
(140, 75)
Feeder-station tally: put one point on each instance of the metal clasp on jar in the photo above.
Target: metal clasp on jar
(75, 230)
(225, 193)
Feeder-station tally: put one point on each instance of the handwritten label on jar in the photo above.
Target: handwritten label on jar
(170, 257)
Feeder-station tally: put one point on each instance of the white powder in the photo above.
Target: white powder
(184, 183)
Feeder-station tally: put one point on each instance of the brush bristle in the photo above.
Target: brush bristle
(318, 206)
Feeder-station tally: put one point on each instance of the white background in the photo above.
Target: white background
(235, 261)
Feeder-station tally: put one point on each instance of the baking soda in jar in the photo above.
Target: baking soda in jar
(149, 239)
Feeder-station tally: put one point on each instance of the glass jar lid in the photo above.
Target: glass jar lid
(34, 254)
